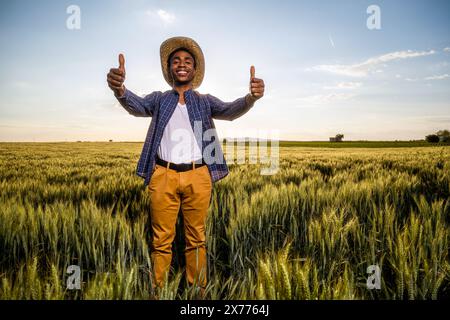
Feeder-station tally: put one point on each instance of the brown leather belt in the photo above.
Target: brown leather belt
(179, 167)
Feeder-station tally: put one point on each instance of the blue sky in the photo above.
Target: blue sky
(325, 71)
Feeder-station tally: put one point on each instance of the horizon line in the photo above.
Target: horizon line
(242, 139)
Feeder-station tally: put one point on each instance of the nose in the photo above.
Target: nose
(182, 64)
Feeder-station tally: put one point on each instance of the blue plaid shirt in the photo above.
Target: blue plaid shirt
(202, 108)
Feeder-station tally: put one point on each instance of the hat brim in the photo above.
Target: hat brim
(172, 44)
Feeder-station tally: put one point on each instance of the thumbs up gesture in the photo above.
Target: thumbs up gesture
(116, 77)
(256, 85)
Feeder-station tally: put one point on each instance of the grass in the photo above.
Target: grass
(363, 144)
(308, 232)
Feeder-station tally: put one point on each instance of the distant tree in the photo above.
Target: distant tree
(432, 138)
(339, 137)
(444, 135)
(110, 140)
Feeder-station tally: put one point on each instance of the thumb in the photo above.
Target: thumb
(121, 62)
(252, 72)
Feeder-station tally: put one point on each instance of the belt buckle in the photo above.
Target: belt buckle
(179, 167)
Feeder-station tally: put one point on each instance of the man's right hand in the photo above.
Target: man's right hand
(116, 78)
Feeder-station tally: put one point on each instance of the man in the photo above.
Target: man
(181, 174)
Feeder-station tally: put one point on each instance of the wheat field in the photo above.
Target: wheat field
(308, 232)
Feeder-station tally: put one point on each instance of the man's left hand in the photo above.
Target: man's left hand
(256, 85)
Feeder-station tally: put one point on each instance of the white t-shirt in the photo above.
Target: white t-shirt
(178, 143)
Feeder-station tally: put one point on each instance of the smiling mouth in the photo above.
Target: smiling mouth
(181, 73)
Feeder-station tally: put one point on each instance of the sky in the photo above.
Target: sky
(325, 68)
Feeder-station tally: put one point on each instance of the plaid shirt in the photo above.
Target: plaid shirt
(202, 108)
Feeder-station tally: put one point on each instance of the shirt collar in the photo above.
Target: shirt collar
(187, 93)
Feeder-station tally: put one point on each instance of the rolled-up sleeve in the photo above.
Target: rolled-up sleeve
(229, 110)
(139, 106)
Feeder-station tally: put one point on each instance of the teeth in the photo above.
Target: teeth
(182, 73)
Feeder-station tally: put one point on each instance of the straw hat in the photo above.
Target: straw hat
(172, 44)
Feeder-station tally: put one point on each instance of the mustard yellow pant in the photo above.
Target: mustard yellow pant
(170, 190)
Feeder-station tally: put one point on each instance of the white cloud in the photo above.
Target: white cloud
(166, 17)
(21, 84)
(325, 98)
(447, 49)
(345, 85)
(437, 77)
(331, 41)
(363, 69)
(440, 77)
(431, 119)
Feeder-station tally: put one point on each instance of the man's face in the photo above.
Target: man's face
(182, 67)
